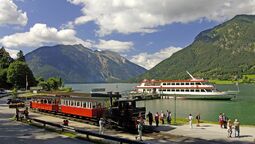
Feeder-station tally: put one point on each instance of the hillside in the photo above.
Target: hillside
(75, 63)
(226, 51)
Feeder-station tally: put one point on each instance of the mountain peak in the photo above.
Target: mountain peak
(76, 63)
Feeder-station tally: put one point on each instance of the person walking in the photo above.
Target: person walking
(198, 119)
(157, 119)
(101, 126)
(140, 131)
(237, 128)
(190, 120)
(225, 120)
(229, 128)
(17, 114)
(162, 117)
(26, 113)
(168, 117)
(150, 116)
(220, 120)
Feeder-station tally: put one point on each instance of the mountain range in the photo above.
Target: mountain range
(78, 64)
(225, 52)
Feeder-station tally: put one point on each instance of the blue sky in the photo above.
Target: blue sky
(144, 31)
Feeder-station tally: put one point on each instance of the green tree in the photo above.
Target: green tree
(3, 79)
(5, 59)
(54, 83)
(20, 56)
(18, 73)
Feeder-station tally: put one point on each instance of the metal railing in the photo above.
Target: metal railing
(86, 132)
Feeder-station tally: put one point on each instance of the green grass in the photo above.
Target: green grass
(249, 76)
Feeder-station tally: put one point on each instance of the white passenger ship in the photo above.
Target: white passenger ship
(192, 89)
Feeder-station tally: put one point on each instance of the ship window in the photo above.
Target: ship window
(191, 83)
(173, 83)
(164, 83)
(173, 90)
(186, 90)
(177, 83)
(198, 83)
(209, 90)
(164, 90)
(182, 90)
(191, 90)
(177, 90)
(202, 90)
(182, 83)
(187, 83)
(197, 90)
(168, 84)
(168, 90)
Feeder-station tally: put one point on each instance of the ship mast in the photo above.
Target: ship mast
(190, 75)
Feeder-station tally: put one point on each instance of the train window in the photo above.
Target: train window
(77, 103)
(71, 103)
(90, 105)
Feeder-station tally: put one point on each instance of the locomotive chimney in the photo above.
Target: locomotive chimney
(110, 95)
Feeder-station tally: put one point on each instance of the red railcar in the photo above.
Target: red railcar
(46, 103)
(84, 107)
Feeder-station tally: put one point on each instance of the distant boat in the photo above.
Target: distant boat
(191, 89)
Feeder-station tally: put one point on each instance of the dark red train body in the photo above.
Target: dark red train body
(124, 113)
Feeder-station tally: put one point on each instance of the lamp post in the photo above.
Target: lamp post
(175, 109)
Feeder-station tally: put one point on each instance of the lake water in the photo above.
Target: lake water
(243, 107)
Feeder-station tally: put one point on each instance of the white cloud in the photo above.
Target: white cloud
(9, 14)
(113, 45)
(13, 53)
(129, 16)
(40, 35)
(150, 60)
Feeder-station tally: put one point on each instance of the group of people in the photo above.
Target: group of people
(190, 118)
(160, 117)
(21, 114)
(229, 125)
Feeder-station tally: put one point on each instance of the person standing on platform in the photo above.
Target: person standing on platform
(17, 114)
(162, 117)
(229, 128)
(237, 128)
(168, 117)
(190, 120)
(150, 116)
(157, 119)
(101, 126)
(198, 120)
(220, 120)
(140, 130)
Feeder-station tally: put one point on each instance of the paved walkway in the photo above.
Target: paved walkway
(12, 132)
